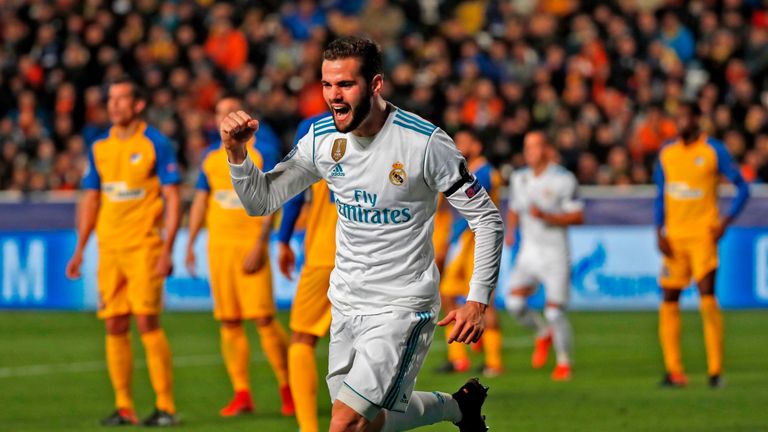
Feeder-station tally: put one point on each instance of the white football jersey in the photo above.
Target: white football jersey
(555, 190)
(385, 190)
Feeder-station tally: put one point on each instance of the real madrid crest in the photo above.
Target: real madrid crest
(338, 149)
(397, 176)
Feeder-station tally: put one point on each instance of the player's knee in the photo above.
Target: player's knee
(516, 305)
(346, 419)
(304, 338)
(118, 325)
(353, 411)
(147, 323)
(231, 323)
(263, 321)
(553, 313)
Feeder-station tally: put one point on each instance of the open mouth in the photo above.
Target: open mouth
(341, 112)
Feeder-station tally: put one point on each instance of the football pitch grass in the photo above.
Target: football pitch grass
(52, 377)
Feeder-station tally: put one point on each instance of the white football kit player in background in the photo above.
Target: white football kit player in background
(543, 203)
(385, 168)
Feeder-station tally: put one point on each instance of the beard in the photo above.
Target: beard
(358, 114)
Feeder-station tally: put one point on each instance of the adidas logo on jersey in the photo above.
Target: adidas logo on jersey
(337, 171)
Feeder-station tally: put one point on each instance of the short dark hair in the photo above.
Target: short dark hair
(136, 89)
(693, 107)
(467, 129)
(365, 50)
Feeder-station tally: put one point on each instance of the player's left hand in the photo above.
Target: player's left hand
(254, 261)
(164, 265)
(718, 230)
(470, 323)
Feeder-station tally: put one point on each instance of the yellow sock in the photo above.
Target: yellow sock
(713, 333)
(120, 366)
(234, 349)
(492, 348)
(669, 335)
(302, 374)
(274, 342)
(160, 372)
(456, 351)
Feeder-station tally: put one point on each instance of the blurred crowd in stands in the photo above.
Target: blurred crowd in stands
(603, 78)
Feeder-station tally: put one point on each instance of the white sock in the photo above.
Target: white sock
(518, 308)
(425, 408)
(562, 335)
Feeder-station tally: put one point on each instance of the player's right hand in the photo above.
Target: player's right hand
(469, 323)
(286, 260)
(73, 266)
(235, 131)
(663, 243)
(190, 262)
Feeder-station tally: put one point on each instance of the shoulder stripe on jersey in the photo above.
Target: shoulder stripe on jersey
(418, 123)
(322, 130)
(325, 132)
(414, 119)
(414, 128)
(324, 122)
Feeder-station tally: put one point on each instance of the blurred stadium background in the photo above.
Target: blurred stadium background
(602, 77)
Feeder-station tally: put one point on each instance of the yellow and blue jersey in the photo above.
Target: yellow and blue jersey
(320, 239)
(490, 179)
(129, 173)
(228, 222)
(687, 177)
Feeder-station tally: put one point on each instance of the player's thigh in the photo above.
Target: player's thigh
(341, 352)
(555, 275)
(311, 309)
(254, 291)
(390, 349)
(676, 269)
(522, 279)
(144, 285)
(704, 259)
(113, 295)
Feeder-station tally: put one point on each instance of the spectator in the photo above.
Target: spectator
(651, 131)
(599, 77)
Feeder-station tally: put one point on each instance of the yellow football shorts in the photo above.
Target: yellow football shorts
(311, 309)
(459, 265)
(128, 283)
(691, 257)
(236, 295)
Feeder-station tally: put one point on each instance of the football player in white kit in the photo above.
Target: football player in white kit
(543, 203)
(385, 168)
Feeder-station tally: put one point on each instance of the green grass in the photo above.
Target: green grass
(52, 377)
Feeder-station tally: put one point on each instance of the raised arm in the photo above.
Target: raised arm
(264, 193)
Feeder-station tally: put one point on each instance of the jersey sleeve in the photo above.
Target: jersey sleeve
(268, 144)
(571, 200)
(445, 169)
(166, 166)
(202, 182)
(727, 167)
(264, 193)
(291, 212)
(91, 178)
(658, 178)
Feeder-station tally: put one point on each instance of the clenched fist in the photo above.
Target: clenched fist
(235, 130)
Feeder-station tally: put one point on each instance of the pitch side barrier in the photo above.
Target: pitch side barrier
(614, 257)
